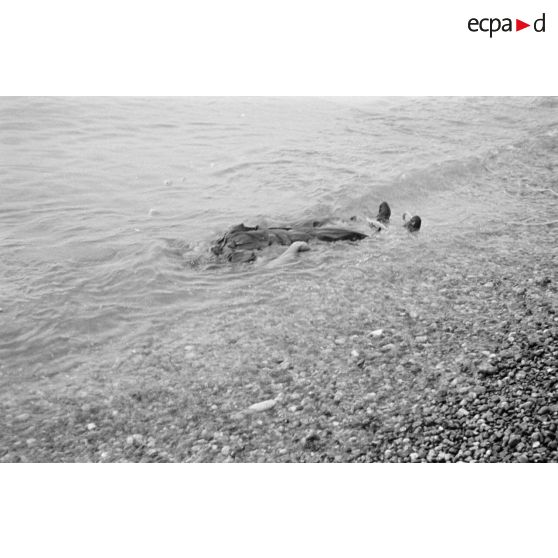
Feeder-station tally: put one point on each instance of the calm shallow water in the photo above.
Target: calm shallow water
(108, 206)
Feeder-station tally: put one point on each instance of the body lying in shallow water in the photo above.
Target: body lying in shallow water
(241, 243)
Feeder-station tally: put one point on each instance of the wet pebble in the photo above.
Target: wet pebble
(134, 440)
(262, 406)
(487, 369)
(285, 365)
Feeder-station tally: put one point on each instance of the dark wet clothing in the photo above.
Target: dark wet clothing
(240, 243)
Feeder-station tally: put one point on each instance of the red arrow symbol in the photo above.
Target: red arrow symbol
(519, 25)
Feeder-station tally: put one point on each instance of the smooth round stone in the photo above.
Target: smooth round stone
(262, 406)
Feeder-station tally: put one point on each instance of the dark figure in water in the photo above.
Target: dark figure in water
(241, 243)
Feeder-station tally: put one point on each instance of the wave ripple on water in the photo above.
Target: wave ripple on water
(88, 271)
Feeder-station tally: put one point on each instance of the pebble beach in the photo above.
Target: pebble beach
(478, 384)
(437, 347)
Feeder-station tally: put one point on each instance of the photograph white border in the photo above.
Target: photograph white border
(250, 47)
(293, 47)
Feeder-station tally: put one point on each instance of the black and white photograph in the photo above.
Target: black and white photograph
(279, 279)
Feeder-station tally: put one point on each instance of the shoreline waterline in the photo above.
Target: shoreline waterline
(115, 348)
